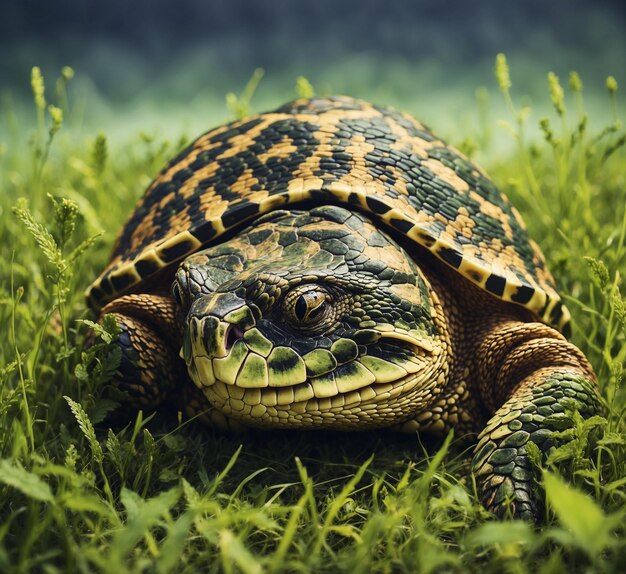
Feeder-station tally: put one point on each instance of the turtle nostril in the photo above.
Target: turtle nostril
(233, 334)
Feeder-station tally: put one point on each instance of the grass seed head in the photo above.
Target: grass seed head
(502, 73)
(556, 93)
(575, 83)
(38, 87)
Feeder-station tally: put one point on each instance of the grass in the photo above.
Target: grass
(155, 495)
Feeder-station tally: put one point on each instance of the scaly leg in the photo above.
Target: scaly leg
(150, 370)
(535, 373)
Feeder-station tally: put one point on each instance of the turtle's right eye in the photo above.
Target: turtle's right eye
(308, 307)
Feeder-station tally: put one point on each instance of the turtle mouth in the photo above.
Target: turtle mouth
(241, 376)
(299, 399)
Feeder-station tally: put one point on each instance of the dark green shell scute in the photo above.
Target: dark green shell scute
(204, 232)
(495, 284)
(177, 251)
(523, 294)
(451, 257)
(121, 282)
(239, 213)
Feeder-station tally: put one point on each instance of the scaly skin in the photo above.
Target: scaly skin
(533, 373)
(320, 320)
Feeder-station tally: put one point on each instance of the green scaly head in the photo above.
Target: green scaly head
(312, 319)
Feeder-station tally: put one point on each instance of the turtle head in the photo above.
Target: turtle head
(312, 319)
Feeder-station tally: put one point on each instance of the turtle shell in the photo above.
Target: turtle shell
(334, 151)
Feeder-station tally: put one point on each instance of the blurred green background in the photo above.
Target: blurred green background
(164, 66)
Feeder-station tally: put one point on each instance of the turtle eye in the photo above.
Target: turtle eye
(307, 305)
(300, 308)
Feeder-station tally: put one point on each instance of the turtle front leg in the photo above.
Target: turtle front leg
(533, 373)
(150, 369)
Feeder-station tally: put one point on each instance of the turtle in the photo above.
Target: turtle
(334, 264)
